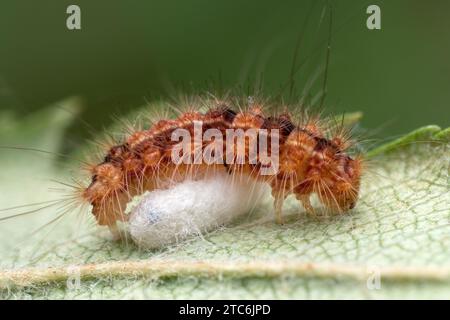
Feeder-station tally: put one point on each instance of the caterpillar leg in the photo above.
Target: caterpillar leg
(116, 234)
(278, 205)
(305, 200)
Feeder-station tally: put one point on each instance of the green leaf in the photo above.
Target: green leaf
(397, 234)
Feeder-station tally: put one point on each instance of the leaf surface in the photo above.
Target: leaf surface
(394, 244)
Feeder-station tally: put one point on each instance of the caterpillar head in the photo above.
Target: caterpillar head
(339, 186)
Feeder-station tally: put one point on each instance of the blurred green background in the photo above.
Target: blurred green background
(131, 52)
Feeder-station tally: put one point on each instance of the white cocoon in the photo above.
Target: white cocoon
(167, 216)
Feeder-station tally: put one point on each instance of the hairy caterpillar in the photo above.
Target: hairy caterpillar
(310, 161)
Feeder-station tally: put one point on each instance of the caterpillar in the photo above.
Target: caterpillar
(311, 160)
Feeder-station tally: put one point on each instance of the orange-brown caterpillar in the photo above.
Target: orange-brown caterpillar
(309, 162)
